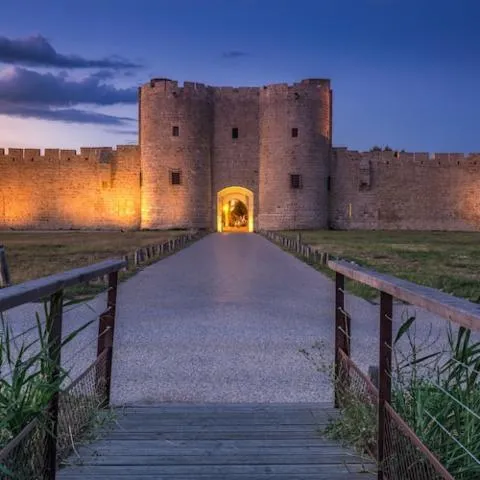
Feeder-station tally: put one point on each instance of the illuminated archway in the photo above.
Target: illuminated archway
(227, 199)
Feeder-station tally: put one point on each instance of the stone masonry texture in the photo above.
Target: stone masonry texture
(186, 134)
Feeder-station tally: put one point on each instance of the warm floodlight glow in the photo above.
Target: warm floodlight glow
(227, 198)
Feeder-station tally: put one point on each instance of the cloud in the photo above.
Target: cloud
(68, 115)
(20, 85)
(123, 131)
(234, 54)
(28, 94)
(36, 50)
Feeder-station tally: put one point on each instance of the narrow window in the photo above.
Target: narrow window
(175, 131)
(175, 177)
(235, 132)
(294, 132)
(329, 183)
(295, 181)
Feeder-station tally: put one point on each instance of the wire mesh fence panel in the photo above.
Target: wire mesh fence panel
(358, 397)
(406, 458)
(79, 404)
(24, 457)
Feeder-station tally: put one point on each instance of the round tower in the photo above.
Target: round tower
(295, 145)
(175, 127)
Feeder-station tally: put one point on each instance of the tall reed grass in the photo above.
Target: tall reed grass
(435, 389)
(27, 380)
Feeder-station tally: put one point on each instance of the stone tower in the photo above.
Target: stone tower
(203, 147)
(176, 128)
(295, 144)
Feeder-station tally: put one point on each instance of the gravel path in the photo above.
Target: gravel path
(222, 321)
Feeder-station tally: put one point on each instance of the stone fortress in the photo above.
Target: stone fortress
(203, 151)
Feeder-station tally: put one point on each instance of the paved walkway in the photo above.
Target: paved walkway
(222, 321)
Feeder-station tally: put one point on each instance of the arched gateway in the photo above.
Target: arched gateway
(235, 209)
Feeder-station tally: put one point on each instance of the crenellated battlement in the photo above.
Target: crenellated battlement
(427, 158)
(237, 92)
(169, 87)
(36, 154)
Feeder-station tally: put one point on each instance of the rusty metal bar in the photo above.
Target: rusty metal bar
(385, 374)
(341, 323)
(54, 335)
(106, 328)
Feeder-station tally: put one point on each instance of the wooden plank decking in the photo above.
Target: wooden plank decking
(212, 441)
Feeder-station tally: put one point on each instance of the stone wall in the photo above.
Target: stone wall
(131, 187)
(98, 188)
(412, 191)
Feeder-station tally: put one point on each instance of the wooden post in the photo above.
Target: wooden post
(385, 368)
(54, 334)
(127, 265)
(106, 328)
(4, 272)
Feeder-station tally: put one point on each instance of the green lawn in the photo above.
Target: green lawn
(448, 261)
(37, 254)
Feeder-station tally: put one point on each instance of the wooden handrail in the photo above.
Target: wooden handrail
(457, 310)
(34, 290)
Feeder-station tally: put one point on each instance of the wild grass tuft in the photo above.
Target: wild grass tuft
(27, 380)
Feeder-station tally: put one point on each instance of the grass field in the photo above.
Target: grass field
(37, 254)
(448, 261)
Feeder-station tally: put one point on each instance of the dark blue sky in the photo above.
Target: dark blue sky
(404, 73)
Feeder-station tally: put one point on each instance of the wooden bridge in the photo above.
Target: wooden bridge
(198, 440)
(219, 441)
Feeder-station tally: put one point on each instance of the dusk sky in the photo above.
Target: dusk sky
(405, 73)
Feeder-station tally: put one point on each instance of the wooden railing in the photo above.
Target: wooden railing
(51, 290)
(456, 310)
(39, 447)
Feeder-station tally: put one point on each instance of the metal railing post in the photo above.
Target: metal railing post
(385, 378)
(106, 329)
(342, 329)
(54, 335)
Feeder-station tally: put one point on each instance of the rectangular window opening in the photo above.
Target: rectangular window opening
(175, 131)
(235, 132)
(294, 132)
(175, 177)
(295, 181)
